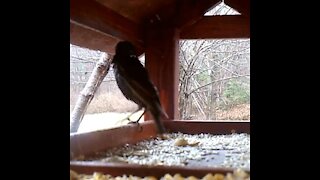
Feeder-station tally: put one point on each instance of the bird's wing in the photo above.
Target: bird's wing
(122, 84)
(138, 80)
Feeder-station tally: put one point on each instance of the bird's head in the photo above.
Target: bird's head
(125, 48)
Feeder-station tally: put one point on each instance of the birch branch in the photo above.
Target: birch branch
(100, 71)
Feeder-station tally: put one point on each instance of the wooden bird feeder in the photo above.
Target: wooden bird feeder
(155, 28)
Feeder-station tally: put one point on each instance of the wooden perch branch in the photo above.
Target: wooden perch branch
(100, 71)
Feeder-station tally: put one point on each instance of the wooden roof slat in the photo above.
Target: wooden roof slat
(182, 13)
(242, 6)
(190, 11)
(96, 16)
(136, 10)
(100, 24)
(229, 26)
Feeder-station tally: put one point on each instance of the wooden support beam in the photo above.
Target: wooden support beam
(99, 18)
(242, 6)
(162, 62)
(218, 27)
(88, 38)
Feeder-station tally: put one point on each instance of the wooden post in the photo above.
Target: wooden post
(162, 48)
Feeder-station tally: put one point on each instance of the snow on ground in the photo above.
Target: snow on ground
(92, 122)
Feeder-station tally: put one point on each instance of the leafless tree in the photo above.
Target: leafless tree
(205, 68)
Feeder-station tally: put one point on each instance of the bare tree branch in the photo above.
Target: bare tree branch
(216, 81)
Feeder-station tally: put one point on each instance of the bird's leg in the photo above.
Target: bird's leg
(128, 117)
(137, 121)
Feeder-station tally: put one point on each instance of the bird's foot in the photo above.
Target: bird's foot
(133, 122)
(136, 122)
(124, 119)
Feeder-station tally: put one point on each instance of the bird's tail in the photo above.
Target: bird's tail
(164, 113)
(156, 113)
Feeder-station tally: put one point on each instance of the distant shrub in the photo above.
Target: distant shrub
(236, 93)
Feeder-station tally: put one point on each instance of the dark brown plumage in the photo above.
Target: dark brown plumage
(133, 81)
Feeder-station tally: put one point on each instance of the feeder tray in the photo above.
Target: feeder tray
(88, 144)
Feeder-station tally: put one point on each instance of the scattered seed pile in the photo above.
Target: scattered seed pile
(231, 151)
(237, 174)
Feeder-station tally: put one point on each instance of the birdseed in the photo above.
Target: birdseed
(178, 149)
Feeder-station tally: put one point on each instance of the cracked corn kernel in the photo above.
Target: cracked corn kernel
(191, 178)
(178, 177)
(167, 177)
(208, 177)
(240, 173)
(181, 142)
(218, 177)
(99, 176)
(73, 175)
(150, 178)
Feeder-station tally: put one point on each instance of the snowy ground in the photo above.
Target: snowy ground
(107, 120)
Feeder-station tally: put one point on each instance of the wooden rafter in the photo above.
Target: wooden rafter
(97, 17)
(88, 38)
(218, 27)
(95, 40)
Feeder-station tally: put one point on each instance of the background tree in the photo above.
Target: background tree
(213, 74)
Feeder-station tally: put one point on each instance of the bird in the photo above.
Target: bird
(133, 81)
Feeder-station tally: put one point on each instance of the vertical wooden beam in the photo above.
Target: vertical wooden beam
(162, 48)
